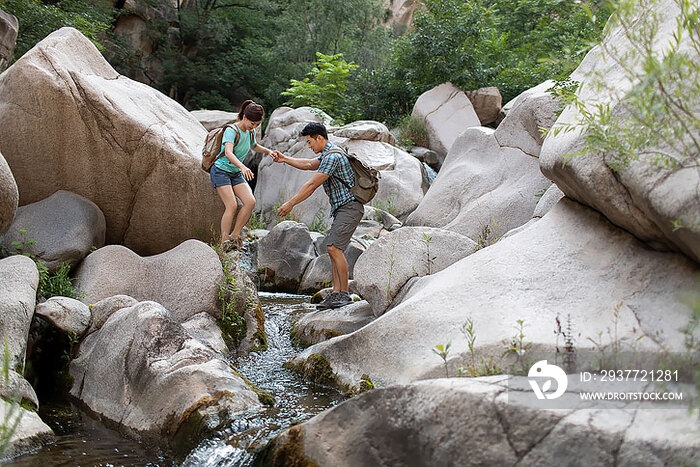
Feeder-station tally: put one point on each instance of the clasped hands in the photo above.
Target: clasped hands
(277, 156)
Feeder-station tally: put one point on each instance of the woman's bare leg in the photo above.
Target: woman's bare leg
(226, 194)
(243, 192)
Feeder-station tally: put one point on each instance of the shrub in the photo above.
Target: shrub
(412, 132)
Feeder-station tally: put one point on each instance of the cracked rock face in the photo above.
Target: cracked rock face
(185, 279)
(572, 262)
(64, 228)
(466, 422)
(640, 198)
(145, 372)
(383, 269)
(9, 196)
(483, 189)
(119, 143)
(446, 112)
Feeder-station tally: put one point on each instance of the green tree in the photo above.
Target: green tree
(511, 44)
(325, 87)
(38, 19)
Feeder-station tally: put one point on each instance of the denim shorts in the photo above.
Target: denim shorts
(221, 177)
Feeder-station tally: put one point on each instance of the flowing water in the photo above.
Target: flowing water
(82, 440)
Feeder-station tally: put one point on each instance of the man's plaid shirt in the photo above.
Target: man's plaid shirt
(336, 166)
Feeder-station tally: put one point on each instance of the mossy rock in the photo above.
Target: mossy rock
(287, 450)
(265, 397)
(316, 368)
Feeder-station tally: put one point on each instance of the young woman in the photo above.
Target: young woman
(229, 174)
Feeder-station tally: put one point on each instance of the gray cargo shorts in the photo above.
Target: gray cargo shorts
(346, 219)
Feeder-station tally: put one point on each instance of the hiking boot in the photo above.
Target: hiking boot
(335, 300)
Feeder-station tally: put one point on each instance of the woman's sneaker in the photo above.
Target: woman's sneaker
(335, 300)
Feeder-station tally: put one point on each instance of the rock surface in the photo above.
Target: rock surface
(365, 130)
(64, 228)
(9, 27)
(467, 422)
(446, 112)
(144, 140)
(31, 432)
(185, 279)
(571, 263)
(69, 315)
(103, 309)
(203, 327)
(9, 196)
(487, 103)
(19, 279)
(283, 255)
(639, 198)
(143, 371)
(524, 126)
(408, 252)
(322, 325)
(211, 119)
(483, 190)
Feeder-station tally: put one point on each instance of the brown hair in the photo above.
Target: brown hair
(252, 111)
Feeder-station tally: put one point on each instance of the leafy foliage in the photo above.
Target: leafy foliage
(511, 44)
(38, 19)
(325, 87)
(655, 121)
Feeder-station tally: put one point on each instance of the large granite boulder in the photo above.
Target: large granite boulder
(9, 196)
(524, 128)
(143, 371)
(571, 265)
(321, 325)
(9, 26)
(401, 175)
(487, 103)
(185, 279)
(283, 255)
(468, 422)
(66, 314)
(30, 434)
(119, 143)
(319, 272)
(446, 112)
(483, 189)
(103, 309)
(365, 130)
(63, 228)
(385, 267)
(645, 200)
(19, 279)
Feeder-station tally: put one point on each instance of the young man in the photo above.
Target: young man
(334, 172)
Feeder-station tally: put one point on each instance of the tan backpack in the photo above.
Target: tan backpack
(212, 145)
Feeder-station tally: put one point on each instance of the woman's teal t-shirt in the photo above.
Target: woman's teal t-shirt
(245, 141)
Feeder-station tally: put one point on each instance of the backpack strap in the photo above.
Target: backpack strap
(340, 150)
(235, 140)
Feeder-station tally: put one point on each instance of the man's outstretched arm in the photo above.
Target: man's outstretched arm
(304, 192)
(303, 164)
